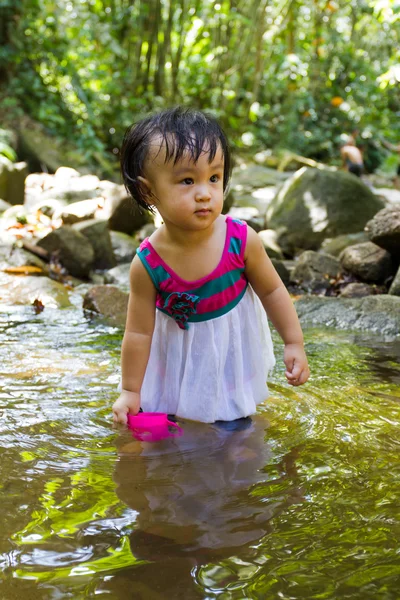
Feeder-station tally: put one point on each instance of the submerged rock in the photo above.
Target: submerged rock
(379, 314)
(315, 204)
(109, 302)
(25, 289)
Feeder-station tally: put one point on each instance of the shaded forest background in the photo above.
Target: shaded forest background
(279, 73)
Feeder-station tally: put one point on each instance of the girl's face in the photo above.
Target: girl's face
(188, 195)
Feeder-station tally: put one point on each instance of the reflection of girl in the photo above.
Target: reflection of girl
(200, 494)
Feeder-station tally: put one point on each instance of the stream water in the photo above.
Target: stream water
(300, 503)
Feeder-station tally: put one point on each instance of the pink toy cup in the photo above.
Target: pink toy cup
(152, 427)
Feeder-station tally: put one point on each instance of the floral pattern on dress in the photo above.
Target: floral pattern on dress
(181, 306)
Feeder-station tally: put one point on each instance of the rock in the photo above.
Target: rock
(250, 215)
(229, 201)
(282, 270)
(44, 149)
(251, 176)
(80, 211)
(4, 205)
(334, 246)
(313, 271)
(119, 276)
(384, 229)
(379, 314)
(68, 188)
(12, 180)
(269, 239)
(395, 287)
(145, 232)
(389, 195)
(121, 211)
(72, 248)
(51, 208)
(368, 262)
(124, 246)
(15, 213)
(316, 203)
(357, 290)
(109, 302)
(19, 257)
(98, 234)
(25, 289)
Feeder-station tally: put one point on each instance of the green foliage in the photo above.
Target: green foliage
(288, 72)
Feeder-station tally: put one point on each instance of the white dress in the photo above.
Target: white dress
(211, 351)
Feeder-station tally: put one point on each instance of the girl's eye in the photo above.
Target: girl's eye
(214, 178)
(188, 181)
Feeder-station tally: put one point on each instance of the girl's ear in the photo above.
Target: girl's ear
(148, 195)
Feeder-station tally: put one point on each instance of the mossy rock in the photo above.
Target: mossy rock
(315, 204)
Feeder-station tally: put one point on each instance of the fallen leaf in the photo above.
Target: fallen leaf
(38, 306)
(25, 270)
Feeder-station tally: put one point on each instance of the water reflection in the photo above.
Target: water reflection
(201, 494)
(202, 498)
(302, 503)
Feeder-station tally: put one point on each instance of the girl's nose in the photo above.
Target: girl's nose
(202, 193)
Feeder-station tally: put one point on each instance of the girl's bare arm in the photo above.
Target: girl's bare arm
(278, 305)
(137, 340)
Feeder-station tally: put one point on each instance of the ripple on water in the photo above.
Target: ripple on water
(303, 503)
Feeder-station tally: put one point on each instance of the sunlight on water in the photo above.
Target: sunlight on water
(302, 502)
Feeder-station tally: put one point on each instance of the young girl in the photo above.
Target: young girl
(197, 342)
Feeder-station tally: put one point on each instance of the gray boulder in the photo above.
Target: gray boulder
(384, 230)
(97, 233)
(79, 211)
(313, 271)
(269, 238)
(316, 203)
(282, 270)
(250, 215)
(357, 290)
(119, 276)
(109, 302)
(121, 211)
(379, 314)
(12, 180)
(73, 249)
(124, 246)
(395, 287)
(368, 262)
(335, 246)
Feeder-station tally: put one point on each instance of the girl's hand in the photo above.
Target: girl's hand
(128, 402)
(295, 359)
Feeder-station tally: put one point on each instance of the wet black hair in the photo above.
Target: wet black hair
(182, 130)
